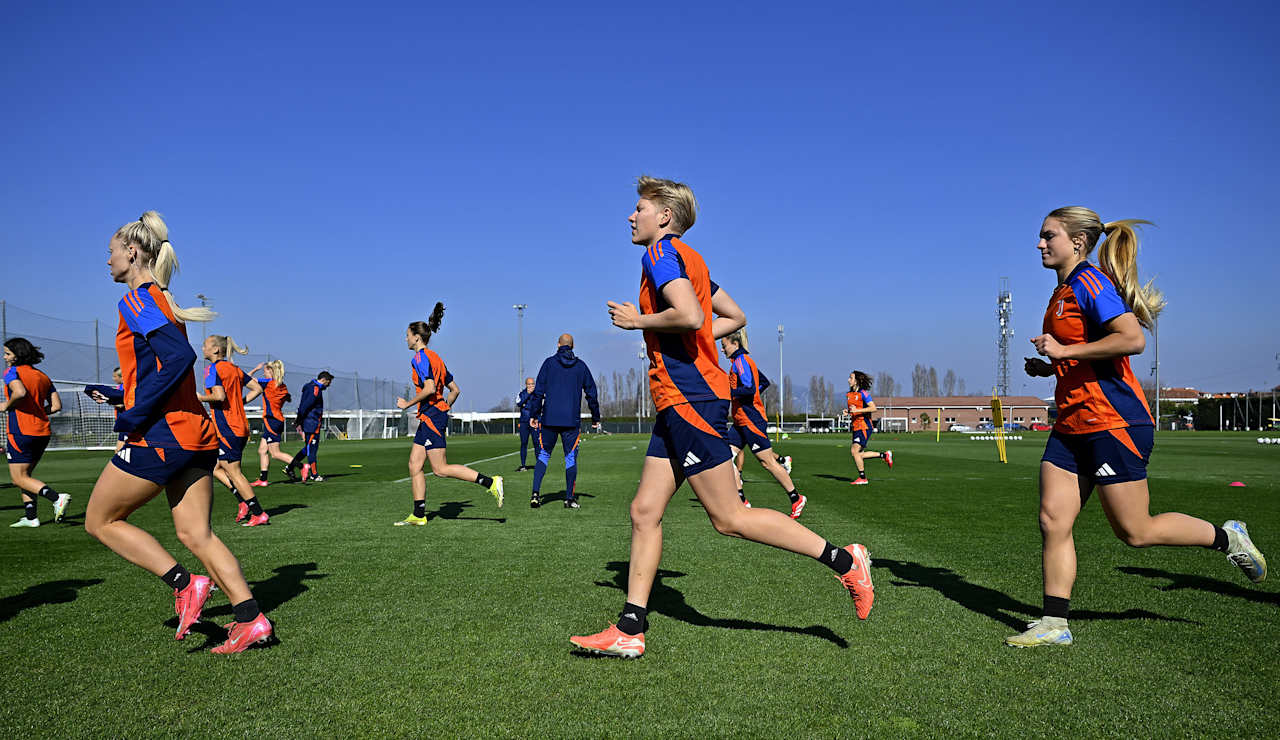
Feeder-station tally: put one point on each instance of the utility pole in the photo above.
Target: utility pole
(520, 307)
(1004, 313)
(782, 386)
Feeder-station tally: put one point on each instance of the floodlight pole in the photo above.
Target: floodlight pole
(204, 325)
(520, 307)
(1155, 366)
(782, 386)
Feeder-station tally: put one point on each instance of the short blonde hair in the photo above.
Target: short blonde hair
(672, 195)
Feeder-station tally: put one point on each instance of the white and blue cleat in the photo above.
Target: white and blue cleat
(1242, 552)
(1043, 631)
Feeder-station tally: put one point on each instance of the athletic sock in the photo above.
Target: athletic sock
(177, 577)
(862, 474)
(236, 493)
(255, 508)
(837, 559)
(262, 475)
(49, 493)
(298, 458)
(29, 509)
(1220, 541)
(633, 620)
(483, 480)
(420, 508)
(780, 459)
(742, 495)
(794, 495)
(1056, 606)
(246, 611)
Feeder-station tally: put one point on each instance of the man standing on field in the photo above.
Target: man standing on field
(555, 411)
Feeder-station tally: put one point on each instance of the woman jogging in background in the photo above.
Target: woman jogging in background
(1105, 432)
(861, 406)
(746, 383)
(171, 444)
(224, 384)
(275, 394)
(430, 376)
(29, 399)
(682, 313)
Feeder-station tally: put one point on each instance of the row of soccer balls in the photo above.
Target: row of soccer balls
(1269, 440)
(1016, 437)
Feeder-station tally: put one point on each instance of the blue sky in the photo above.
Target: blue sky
(865, 176)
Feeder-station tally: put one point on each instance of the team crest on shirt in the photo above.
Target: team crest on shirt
(1061, 304)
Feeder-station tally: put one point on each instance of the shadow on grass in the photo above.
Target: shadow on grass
(560, 496)
(1179, 581)
(989, 602)
(454, 509)
(841, 478)
(287, 584)
(670, 602)
(52, 592)
(284, 509)
(18, 507)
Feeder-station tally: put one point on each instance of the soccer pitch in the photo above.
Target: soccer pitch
(461, 627)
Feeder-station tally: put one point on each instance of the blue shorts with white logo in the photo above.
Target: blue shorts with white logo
(692, 436)
(1113, 456)
(861, 437)
(272, 430)
(745, 438)
(162, 464)
(431, 429)
(21, 448)
(231, 449)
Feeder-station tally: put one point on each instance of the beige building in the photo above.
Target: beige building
(904, 413)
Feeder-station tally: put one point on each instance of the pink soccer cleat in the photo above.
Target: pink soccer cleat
(257, 519)
(888, 458)
(611, 641)
(798, 506)
(306, 472)
(242, 512)
(259, 484)
(858, 580)
(189, 602)
(240, 635)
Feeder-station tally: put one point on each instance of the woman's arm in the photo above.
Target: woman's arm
(729, 316)
(255, 390)
(454, 392)
(176, 360)
(17, 392)
(55, 403)
(1124, 337)
(216, 394)
(428, 388)
(684, 313)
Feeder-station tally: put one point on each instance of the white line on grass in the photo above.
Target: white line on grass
(473, 462)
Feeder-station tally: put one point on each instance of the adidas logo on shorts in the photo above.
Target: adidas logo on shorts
(755, 446)
(1104, 471)
(691, 459)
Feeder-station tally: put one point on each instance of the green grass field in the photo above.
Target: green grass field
(461, 627)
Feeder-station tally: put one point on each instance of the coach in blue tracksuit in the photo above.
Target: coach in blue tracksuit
(555, 411)
(308, 424)
(526, 428)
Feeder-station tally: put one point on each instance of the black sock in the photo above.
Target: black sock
(837, 559)
(794, 495)
(781, 460)
(255, 508)
(236, 493)
(1220, 541)
(246, 611)
(262, 475)
(29, 509)
(483, 480)
(49, 493)
(742, 495)
(420, 508)
(177, 577)
(862, 474)
(1056, 606)
(634, 619)
(298, 458)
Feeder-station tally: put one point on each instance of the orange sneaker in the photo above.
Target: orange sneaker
(306, 472)
(259, 484)
(242, 512)
(858, 580)
(611, 641)
(240, 635)
(859, 482)
(888, 458)
(257, 519)
(798, 506)
(189, 602)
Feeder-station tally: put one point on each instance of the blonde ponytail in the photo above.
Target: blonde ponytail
(277, 370)
(151, 234)
(1118, 257)
(228, 345)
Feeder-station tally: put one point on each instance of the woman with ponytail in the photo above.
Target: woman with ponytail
(1105, 432)
(860, 406)
(29, 399)
(274, 395)
(224, 385)
(429, 376)
(170, 443)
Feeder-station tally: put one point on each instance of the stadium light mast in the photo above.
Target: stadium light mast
(520, 307)
(782, 388)
(204, 325)
(1004, 313)
(1155, 364)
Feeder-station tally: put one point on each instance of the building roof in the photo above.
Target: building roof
(1179, 394)
(925, 402)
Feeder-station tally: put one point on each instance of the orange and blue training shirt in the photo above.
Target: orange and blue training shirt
(858, 400)
(228, 415)
(160, 405)
(274, 394)
(683, 367)
(29, 417)
(427, 365)
(1092, 395)
(746, 383)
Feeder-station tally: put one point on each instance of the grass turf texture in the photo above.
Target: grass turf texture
(460, 627)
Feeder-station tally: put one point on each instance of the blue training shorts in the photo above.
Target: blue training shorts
(431, 429)
(272, 430)
(20, 448)
(161, 464)
(693, 436)
(746, 438)
(861, 437)
(1113, 456)
(231, 449)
